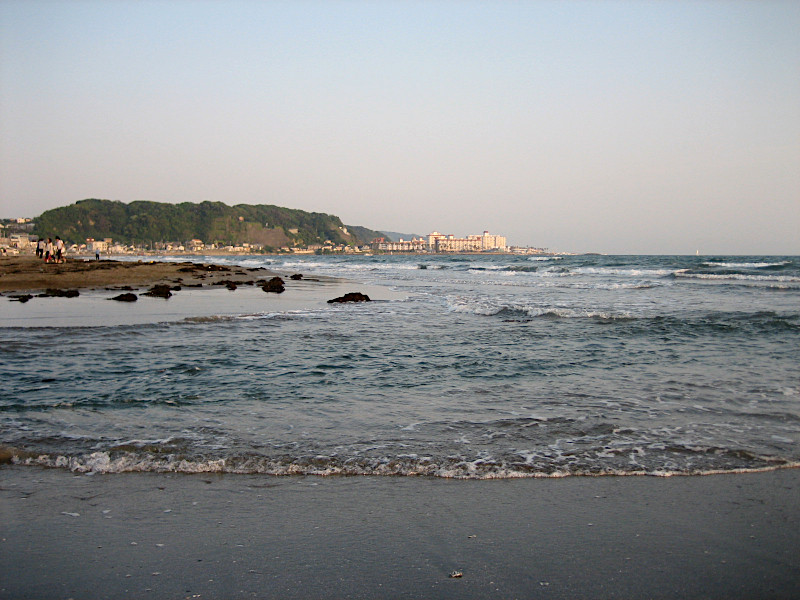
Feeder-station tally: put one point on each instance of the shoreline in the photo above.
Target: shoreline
(35, 294)
(146, 535)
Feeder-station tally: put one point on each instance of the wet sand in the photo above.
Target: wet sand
(230, 536)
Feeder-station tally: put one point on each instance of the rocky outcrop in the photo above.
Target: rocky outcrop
(274, 285)
(231, 285)
(128, 297)
(195, 267)
(351, 297)
(159, 291)
(296, 277)
(55, 293)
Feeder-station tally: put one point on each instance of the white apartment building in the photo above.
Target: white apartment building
(97, 245)
(440, 242)
(486, 242)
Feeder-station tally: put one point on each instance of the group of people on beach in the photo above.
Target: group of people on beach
(51, 251)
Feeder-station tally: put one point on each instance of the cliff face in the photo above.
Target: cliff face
(144, 221)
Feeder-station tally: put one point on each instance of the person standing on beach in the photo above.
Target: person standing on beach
(59, 250)
(40, 248)
(48, 250)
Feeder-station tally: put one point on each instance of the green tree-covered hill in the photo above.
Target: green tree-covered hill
(147, 222)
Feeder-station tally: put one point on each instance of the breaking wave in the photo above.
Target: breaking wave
(747, 265)
(697, 461)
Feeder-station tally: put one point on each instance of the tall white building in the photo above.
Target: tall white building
(492, 242)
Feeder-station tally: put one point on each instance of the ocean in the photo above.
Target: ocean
(469, 366)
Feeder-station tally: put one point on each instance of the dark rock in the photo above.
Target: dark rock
(231, 285)
(55, 293)
(159, 291)
(274, 285)
(215, 268)
(20, 298)
(296, 276)
(129, 297)
(351, 297)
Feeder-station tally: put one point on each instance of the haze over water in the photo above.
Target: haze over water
(471, 366)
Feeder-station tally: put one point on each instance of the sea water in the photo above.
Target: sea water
(471, 366)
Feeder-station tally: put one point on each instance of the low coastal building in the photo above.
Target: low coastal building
(413, 245)
(98, 245)
(20, 241)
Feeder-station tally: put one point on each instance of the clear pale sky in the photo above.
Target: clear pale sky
(618, 127)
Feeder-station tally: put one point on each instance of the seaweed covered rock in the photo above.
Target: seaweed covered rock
(274, 285)
(127, 297)
(56, 293)
(159, 291)
(231, 285)
(351, 297)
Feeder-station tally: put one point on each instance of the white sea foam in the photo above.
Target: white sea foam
(633, 285)
(490, 307)
(611, 271)
(737, 277)
(746, 265)
(408, 465)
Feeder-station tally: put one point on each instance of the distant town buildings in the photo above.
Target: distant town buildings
(439, 242)
(15, 238)
(485, 242)
(413, 245)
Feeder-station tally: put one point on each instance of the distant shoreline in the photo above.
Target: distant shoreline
(91, 256)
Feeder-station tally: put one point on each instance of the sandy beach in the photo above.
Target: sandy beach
(229, 536)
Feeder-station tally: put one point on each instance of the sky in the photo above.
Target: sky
(636, 127)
